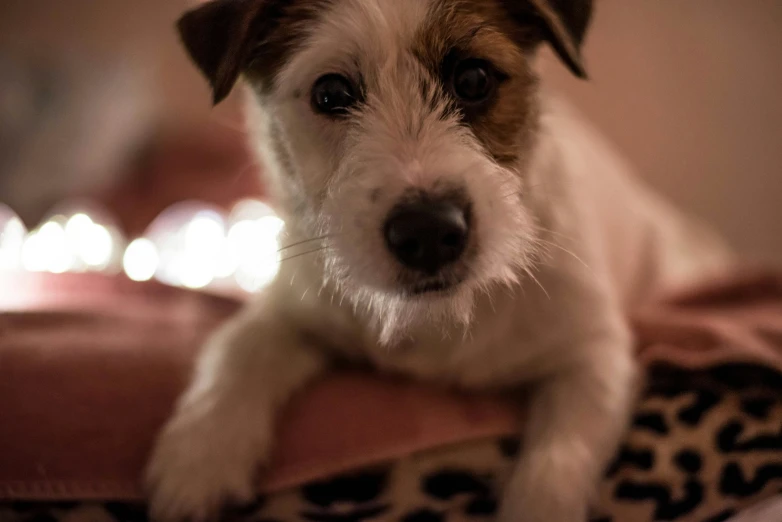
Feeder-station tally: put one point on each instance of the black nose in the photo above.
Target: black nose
(427, 236)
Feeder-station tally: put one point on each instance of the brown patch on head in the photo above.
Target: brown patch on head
(226, 38)
(462, 29)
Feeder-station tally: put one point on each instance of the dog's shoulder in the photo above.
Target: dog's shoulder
(646, 243)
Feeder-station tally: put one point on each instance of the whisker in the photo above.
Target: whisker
(305, 241)
(304, 254)
(532, 276)
(491, 300)
(553, 232)
(565, 250)
(241, 173)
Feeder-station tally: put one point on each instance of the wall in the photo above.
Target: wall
(690, 91)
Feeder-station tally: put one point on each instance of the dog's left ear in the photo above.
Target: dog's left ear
(564, 23)
(219, 36)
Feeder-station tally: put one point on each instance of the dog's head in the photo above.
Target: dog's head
(400, 129)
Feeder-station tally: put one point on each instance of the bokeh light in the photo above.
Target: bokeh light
(48, 249)
(91, 242)
(76, 237)
(253, 238)
(12, 235)
(189, 238)
(198, 246)
(191, 244)
(141, 260)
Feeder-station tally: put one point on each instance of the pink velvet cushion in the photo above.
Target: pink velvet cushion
(91, 365)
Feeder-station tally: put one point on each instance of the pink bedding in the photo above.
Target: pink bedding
(90, 366)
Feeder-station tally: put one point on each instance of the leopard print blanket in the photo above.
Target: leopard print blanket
(703, 446)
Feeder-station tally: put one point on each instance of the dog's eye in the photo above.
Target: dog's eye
(474, 81)
(333, 94)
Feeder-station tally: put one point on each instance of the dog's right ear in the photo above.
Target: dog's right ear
(220, 37)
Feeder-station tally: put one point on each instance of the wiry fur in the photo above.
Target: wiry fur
(535, 299)
(405, 138)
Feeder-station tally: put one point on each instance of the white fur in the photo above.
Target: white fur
(542, 302)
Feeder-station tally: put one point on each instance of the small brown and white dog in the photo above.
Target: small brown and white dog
(470, 232)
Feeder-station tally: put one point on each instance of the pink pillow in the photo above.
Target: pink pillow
(90, 367)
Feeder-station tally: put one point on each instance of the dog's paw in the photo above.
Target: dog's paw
(198, 466)
(547, 488)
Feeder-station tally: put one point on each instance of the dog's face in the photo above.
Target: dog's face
(401, 130)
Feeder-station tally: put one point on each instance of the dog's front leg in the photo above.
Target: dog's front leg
(576, 419)
(223, 424)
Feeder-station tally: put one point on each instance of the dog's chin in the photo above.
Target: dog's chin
(431, 289)
(423, 306)
(399, 305)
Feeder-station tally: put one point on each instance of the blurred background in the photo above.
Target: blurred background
(98, 101)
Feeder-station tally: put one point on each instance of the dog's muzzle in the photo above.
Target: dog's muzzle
(428, 235)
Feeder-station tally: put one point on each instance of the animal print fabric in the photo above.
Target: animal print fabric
(702, 447)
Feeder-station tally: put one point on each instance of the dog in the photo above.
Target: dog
(464, 230)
